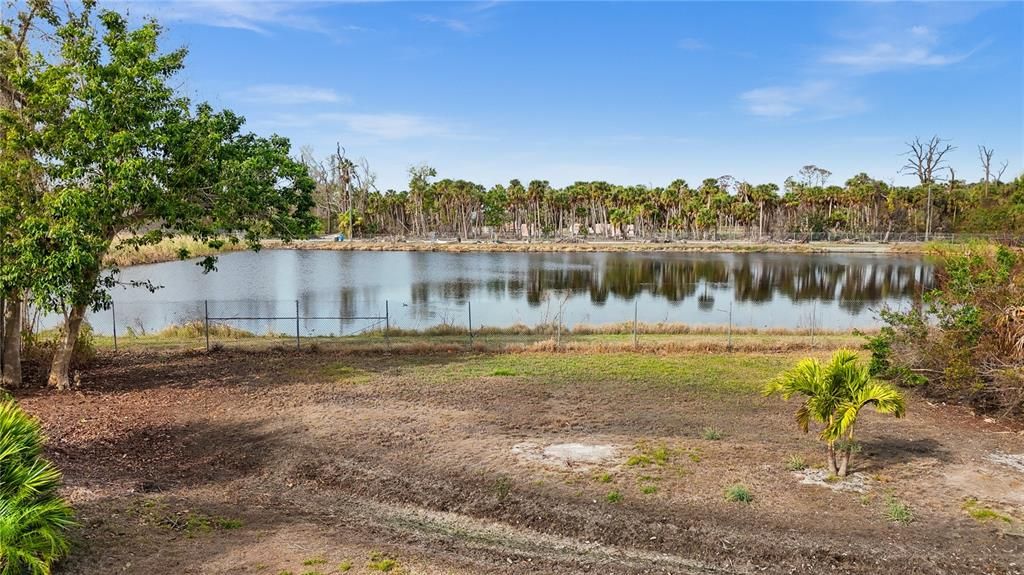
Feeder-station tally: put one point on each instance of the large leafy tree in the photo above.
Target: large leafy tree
(29, 94)
(834, 393)
(131, 161)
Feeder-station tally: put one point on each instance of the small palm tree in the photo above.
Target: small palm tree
(834, 394)
(33, 518)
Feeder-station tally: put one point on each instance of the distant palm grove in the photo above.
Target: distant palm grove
(808, 207)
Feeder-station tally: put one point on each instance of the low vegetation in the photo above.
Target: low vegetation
(125, 253)
(897, 511)
(738, 494)
(33, 518)
(964, 342)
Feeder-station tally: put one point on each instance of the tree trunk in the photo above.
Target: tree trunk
(844, 462)
(11, 376)
(60, 369)
(832, 468)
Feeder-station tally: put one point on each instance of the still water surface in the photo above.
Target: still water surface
(423, 289)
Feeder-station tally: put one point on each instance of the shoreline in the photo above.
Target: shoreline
(639, 246)
(168, 250)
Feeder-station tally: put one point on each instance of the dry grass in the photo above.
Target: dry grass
(169, 249)
(617, 328)
(197, 329)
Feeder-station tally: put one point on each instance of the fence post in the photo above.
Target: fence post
(469, 307)
(113, 321)
(730, 326)
(558, 338)
(814, 317)
(297, 344)
(636, 307)
(387, 325)
(206, 323)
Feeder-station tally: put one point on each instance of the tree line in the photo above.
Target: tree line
(808, 205)
(99, 150)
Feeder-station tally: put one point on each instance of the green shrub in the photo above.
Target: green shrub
(738, 494)
(33, 518)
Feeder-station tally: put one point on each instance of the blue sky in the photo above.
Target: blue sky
(627, 92)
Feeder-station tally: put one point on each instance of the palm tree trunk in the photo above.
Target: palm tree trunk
(832, 467)
(844, 461)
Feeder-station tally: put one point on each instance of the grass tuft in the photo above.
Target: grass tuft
(738, 494)
(711, 434)
(796, 463)
(897, 511)
(613, 497)
(382, 563)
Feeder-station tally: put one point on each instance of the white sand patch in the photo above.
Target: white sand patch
(855, 482)
(566, 455)
(1012, 460)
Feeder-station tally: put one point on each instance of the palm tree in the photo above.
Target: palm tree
(834, 394)
(33, 517)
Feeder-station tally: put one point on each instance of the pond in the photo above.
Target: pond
(424, 289)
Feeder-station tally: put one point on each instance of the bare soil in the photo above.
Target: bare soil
(288, 462)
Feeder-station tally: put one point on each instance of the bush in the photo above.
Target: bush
(41, 346)
(33, 518)
(965, 341)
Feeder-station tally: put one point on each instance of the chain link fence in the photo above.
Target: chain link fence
(554, 323)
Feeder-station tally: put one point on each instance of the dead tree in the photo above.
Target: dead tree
(925, 160)
(985, 155)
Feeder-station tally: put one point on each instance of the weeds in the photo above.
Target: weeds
(981, 513)
(738, 494)
(711, 434)
(501, 372)
(344, 566)
(648, 455)
(613, 497)
(604, 478)
(318, 560)
(382, 562)
(649, 489)
(897, 511)
(795, 463)
(502, 487)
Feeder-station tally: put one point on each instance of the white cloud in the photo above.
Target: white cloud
(395, 126)
(254, 16)
(692, 44)
(372, 126)
(812, 99)
(450, 23)
(912, 47)
(289, 94)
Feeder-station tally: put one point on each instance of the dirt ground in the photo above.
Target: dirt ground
(320, 463)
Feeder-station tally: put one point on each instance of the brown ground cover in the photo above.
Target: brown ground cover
(295, 462)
